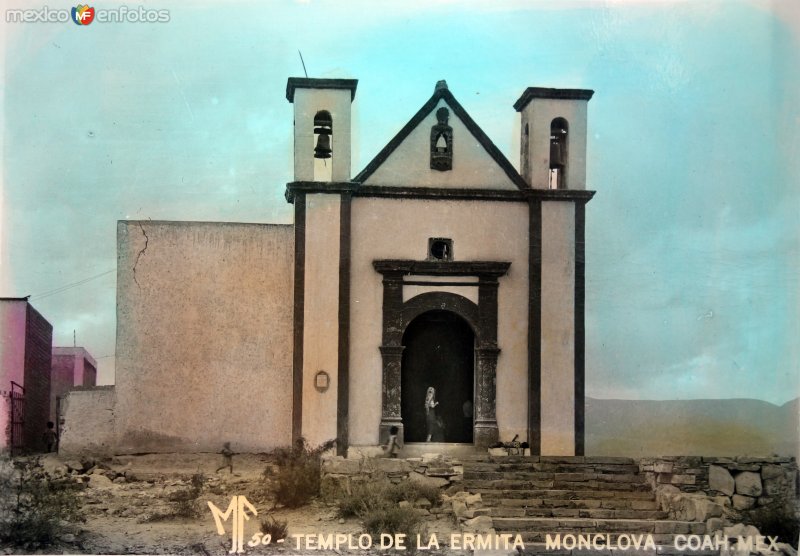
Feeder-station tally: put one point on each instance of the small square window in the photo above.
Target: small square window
(440, 249)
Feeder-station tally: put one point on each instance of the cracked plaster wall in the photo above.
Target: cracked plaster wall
(204, 336)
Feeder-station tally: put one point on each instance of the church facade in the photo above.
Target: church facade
(438, 266)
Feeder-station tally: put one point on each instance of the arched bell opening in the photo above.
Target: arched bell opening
(559, 131)
(323, 146)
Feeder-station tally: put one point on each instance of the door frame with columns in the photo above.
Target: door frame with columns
(482, 317)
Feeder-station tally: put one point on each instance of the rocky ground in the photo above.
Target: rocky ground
(129, 506)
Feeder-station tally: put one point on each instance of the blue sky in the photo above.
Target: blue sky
(693, 243)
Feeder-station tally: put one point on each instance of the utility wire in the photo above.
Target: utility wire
(72, 285)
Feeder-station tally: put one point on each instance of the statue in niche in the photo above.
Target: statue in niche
(442, 142)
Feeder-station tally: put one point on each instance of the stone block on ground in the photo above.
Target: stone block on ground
(341, 466)
(392, 465)
(473, 500)
(98, 480)
(53, 466)
(421, 479)
(74, 465)
(740, 530)
(459, 508)
(480, 524)
(454, 489)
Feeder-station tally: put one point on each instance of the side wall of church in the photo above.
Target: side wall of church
(321, 322)
(558, 329)
(204, 336)
(399, 229)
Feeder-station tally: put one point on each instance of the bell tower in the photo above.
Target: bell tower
(553, 141)
(321, 127)
(553, 163)
(321, 199)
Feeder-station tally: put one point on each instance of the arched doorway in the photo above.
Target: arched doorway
(439, 352)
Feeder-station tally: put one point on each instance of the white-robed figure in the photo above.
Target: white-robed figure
(430, 412)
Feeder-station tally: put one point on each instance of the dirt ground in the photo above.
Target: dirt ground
(125, 496)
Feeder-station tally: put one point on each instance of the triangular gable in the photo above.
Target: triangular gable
(477, 162)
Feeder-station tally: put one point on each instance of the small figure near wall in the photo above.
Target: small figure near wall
(430, 412)
(393, 446)
(227, 458)
(466, 426)
(51, 437)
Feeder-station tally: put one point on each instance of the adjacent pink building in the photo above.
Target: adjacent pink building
(71, 367)
(26, 340)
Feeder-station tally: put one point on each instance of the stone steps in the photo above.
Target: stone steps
(556, 484)
(543, 525)
(495, 493)
(598, 503)
(535, 497)
(554, 478)
(554, 467)
(565, 460)
(592, 513)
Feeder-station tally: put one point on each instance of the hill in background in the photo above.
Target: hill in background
(691, 427)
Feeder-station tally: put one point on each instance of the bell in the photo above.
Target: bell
(556, 154)
(323, 148)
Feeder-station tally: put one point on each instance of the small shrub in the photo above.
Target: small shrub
(411, 491)
(183, 503)
(363, 498)
(297, 479)
(367, 496)
(376, 504)
(35, 505)
(393, 520)
(277, 529)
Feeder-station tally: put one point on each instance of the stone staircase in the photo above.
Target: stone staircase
(537, 496)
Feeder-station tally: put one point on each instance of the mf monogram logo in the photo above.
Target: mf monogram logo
(237, 510)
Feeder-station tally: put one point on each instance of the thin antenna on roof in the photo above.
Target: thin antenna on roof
(74, 339)
(302, 62)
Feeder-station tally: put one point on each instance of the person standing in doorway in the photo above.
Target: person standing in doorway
(430, 412)
(51, 437)
(466, 410)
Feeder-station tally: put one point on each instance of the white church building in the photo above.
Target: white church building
(438, 265)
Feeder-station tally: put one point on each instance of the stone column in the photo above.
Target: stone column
(392, 355)
(391, 413)
(485, 432)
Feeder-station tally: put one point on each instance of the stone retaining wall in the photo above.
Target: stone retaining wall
(745, 481)
(339, 473)
(718, 490)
